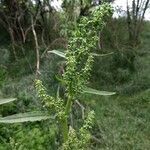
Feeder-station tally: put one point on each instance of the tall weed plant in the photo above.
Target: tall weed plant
(79, 59)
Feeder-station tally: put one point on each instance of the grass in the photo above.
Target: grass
(123, 122)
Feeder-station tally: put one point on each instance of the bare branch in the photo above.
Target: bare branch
(82, 108)
(36, 48)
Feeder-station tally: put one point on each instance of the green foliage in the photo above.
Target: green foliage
(29, 136)
(61, 54)
(122, 121)
(96, 92)
(4, 55)
(32, 140)
(82, 42)
(127, 68)
(54, 105)
(80, 140)
(4, 60)
(3, 75)
(78, 66)
(25, 117)
(3, 101)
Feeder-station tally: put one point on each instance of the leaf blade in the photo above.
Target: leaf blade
(101, 55)
(26, 117)
(7, 100)
(59, 53)
(97, 92)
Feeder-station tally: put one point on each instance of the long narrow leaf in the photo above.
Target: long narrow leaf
(61, 54)
(7, 100)
(25, 117)
(101, 55)
(97, 92)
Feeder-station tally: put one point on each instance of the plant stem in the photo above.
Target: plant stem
(65, 130)
(64, 122)
(68, 105)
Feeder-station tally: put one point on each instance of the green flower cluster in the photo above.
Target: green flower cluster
(79, 60)
(55, 105)
(79, 140)
(82, 42)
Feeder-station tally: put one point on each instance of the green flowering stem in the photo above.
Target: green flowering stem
(68, 105)
(79, 60)
(64, 129)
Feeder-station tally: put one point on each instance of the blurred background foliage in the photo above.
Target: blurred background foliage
(122, 121)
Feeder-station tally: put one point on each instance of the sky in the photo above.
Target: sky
(118, 3)
(123, 5)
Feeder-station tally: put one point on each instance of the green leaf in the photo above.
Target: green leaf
(7, 100)
(60, 79)
(102, 55)
(97, 92)
(61, 54)
(25, 117)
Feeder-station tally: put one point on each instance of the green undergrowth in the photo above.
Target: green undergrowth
(122, 122)
(126, 70)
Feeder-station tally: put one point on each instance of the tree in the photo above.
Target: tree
(135, 18)
(78, 8)
(26, 23)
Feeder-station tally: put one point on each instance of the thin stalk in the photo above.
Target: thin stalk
(64, 122)
(68, 105)
(36, 48)
(64, 129)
